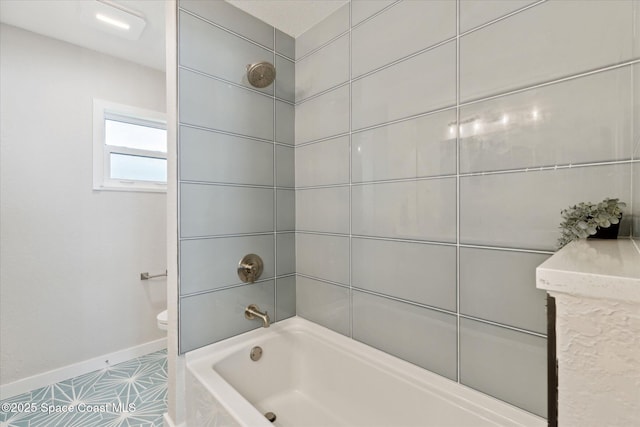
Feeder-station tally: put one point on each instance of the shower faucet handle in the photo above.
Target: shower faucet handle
(250, 268)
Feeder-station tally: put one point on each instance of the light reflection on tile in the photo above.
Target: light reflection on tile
(420, 147)
(585, 120)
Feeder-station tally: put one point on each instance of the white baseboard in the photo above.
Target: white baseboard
(168, 422)
(51, 377)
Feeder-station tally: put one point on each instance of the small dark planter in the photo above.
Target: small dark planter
(610, 232)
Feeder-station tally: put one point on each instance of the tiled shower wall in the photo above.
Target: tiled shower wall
(236, 171)
(436, 143)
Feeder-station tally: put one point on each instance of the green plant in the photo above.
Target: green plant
(584, 219)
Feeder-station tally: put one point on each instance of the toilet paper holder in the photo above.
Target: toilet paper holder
(147, 276)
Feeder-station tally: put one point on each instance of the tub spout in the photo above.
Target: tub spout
(252, 311)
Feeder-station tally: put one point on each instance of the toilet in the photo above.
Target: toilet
(163, 319)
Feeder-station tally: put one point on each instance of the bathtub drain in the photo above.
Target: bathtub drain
(270, 416)
(256, 353)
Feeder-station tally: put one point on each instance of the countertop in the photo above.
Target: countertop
(594, 268)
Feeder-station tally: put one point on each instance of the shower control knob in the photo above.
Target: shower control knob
(250, 268)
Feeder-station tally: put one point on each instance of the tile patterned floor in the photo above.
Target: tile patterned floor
(132, 393)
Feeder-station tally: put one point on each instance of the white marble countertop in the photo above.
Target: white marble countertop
(594, 268)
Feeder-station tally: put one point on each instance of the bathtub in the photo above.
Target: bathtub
(311, 376)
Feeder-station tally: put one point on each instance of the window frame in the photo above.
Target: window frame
(106, 110)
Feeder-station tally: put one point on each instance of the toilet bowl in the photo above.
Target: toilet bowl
(163, 319)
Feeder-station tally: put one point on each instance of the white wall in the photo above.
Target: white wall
(70, 257)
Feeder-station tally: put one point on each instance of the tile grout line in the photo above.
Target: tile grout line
(368, 237)
(500, 18)
(351, 308)
(456, 175)
(238, 135)
(472, 101)
(420, 305)
(457, 134)
(178, 178)
(234, 84)
(235, 285)
(275, 192)
(247, 39)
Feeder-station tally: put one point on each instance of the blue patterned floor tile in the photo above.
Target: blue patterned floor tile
(132, 393)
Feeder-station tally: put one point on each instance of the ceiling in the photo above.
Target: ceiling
(293, 17)
(60, 19)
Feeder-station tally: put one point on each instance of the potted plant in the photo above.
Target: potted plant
(600, 220)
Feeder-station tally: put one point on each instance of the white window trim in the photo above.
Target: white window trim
(101, 152)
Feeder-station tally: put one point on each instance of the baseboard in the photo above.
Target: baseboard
(168, 422)
(51, 377)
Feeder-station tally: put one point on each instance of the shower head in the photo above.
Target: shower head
(261, 74)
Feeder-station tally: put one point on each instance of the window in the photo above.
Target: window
(129, 148)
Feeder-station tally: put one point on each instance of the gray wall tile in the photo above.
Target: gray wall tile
(286, 250)
(363, 9)
(477, 12)
(213, 104)
(231, 18)
(493, 59)
(323, 209)
(334, 25)
(501, 286)
(332, 106)
(579, 121)
(420, 147)
(323, 303)
(636, 138)
(207, 264)
(390, 268)
(636, 200)
(399, 91)
(285, 79)
(285, 44)
(530, 203)
(216, 157)
(578, 36)
(285, 115)
(506, 364)
(323, 70)
(323, 163)
(421, 336)
(208, 210)
(286, 297)
(286, 214)
(204, 156)
(424, 210)
(285, 166)
(217, 52)
(214, 316)
(419, 24)
(324, 257)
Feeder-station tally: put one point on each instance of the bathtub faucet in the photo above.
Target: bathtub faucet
(252, 311)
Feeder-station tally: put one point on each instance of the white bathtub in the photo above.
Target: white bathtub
(311, 376)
